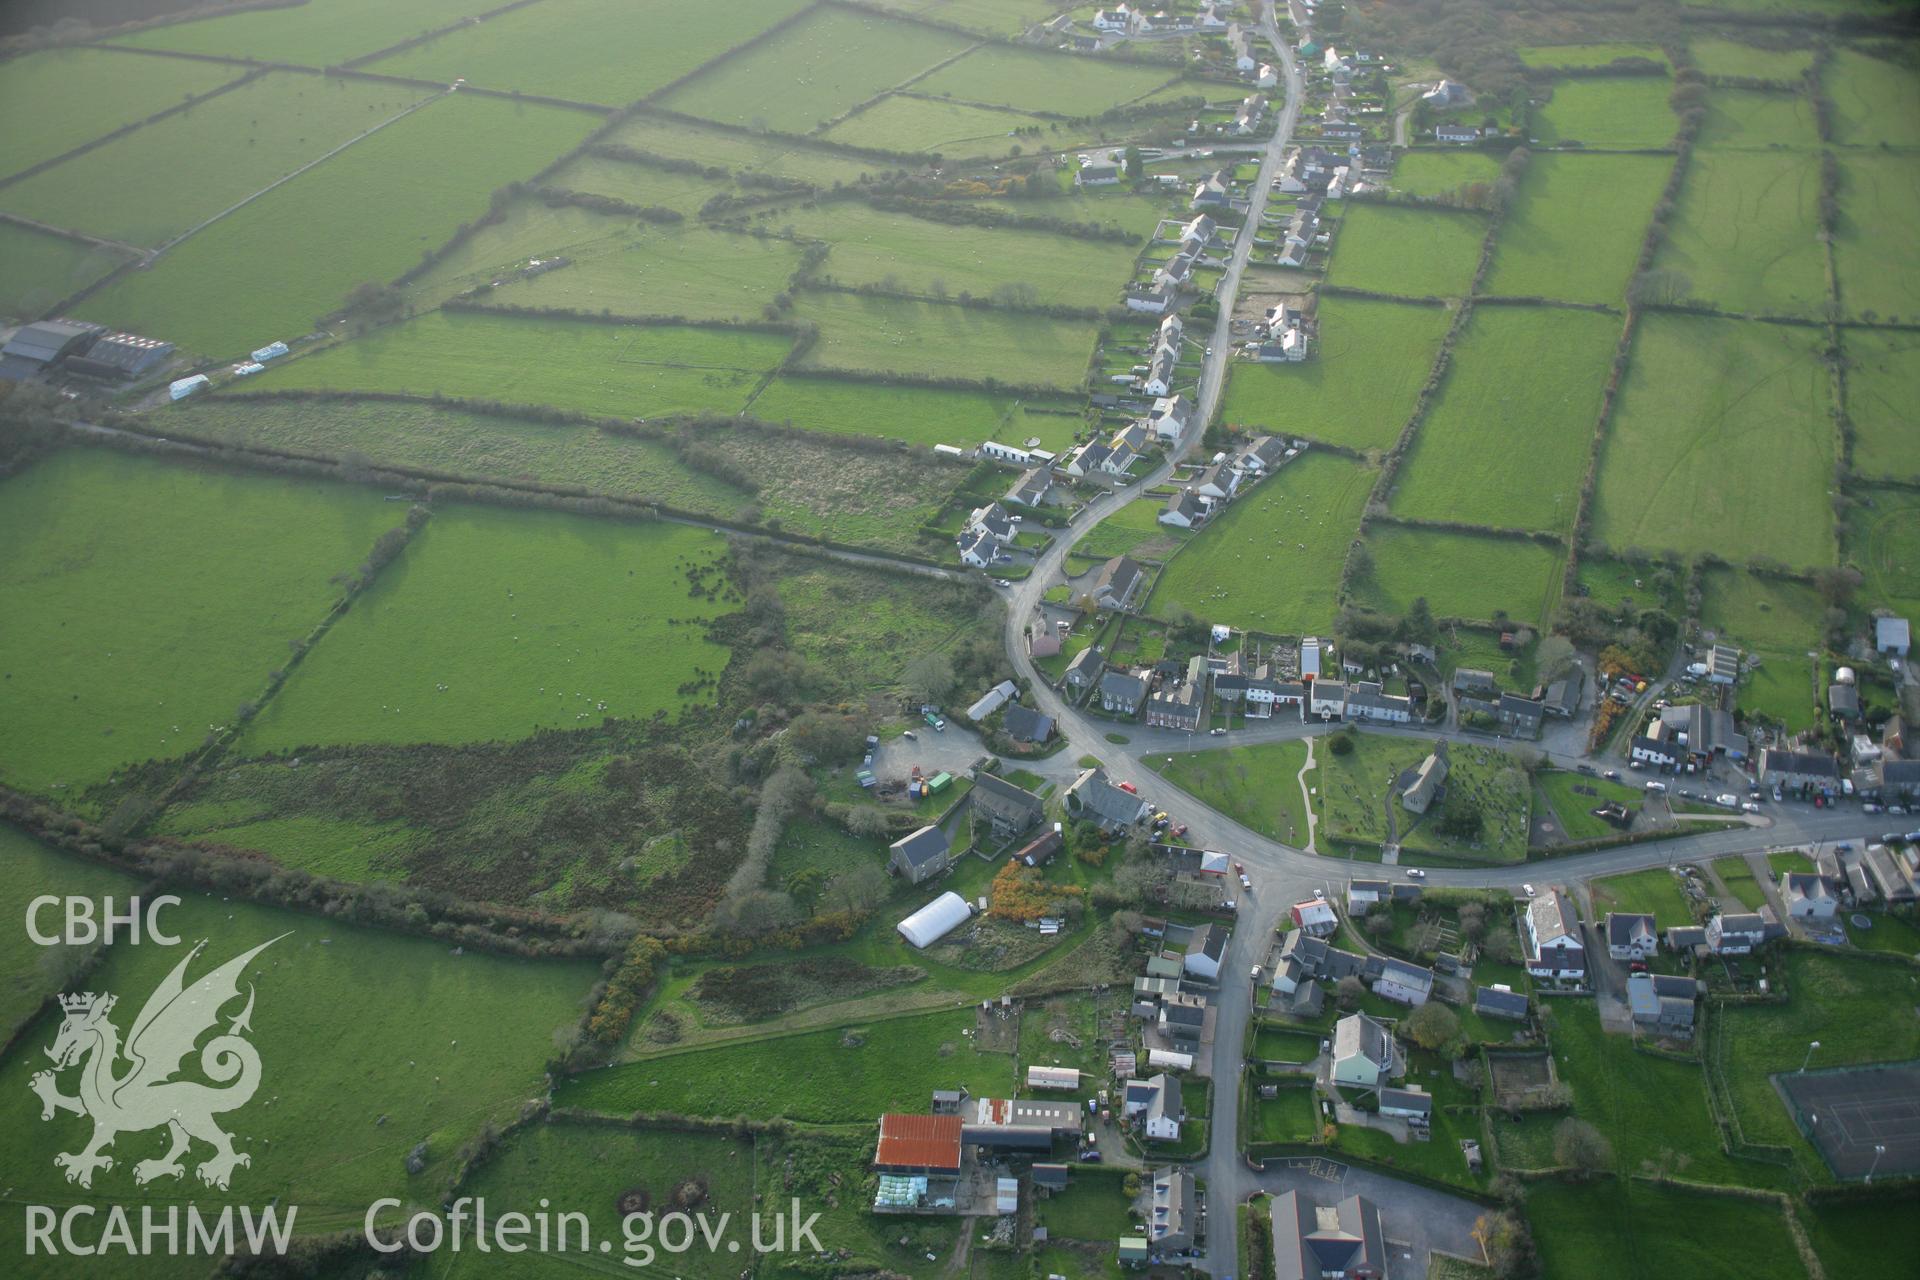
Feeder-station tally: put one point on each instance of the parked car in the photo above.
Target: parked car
(1245, 883)
(1611, 775)
(1870, 807)
(1750, 807)
(1527, 889)
(1130, 789)
(1178, 831)
(1727, 800)
(1584, 768)
(1653, 785)
(1321, 894)
(1218, 733)
(910, 735)
(1637, 966)
(1415, 873)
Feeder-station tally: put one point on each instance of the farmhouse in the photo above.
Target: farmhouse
(1809, 896)
(1404, 983)
(1011, 811)
(1553, 945)
(924, 1145)
(1322, 1242)
(1315, 917)
(1171, 1214)
(1116, 583)
(1092, 798)
(1630, 935)
(920, 856)
(1121, 692)
(1156, 1103)
(1362, 1051)
(1500, 1002)
(1892, 636)
(1429, 780)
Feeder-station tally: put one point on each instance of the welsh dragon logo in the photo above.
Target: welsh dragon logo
(143, 1094)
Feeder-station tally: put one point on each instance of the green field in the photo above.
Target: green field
(1629, 112)
(919, 415)
(98, 91)
(29, 973)
(1781, 690)
(493, 624)
(1257, 786)
(1843, 1236)
(858, 627)
(1284, 1044)
(646, 185)
(1717, 57)
(1575, 230)
(1883, 539)
(1293, 1116)
(904, 122)
(1573, 797)
(128, 640)
(1462, 575)
(1883, 368)
(1553, 56)
(315, 34)
(1433, 173)
(1359, 386)
(1354, 790)
(1756, 612)
(240, 284)
(1744, 391)
(161, 180)
(818, 68)
(1092, 1208)
(1875, 102)
(37, 270)
(1744, 232)
(1616, 1230)
(938, 340)
(1749, 118)
(369, 1042)
(1032, 80)
(1874, 249)
(1506, 440)
(1738, 879)
(843, 1075)
(1654, 891)
(743, 151)
(587, 50)
(616, 370)
(1392, 249)
(1271, 561)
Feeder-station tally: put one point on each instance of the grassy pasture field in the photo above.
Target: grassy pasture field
(1614, 581)
(1432, 173)
(1555, 56)
(587, 50)
(161, 180)
(1255, 786)
(625, 371)
(990, 17)
(1844, 1236)
(1412, 252)
(1755, 120)
(494, 624)
(1353, 798)
(1575, 230)
(1874, 250)
(99, 90)
(1654, 891)
(1773, 614)
(743, 151)
(1462, 575)
(641, 184)
(438, 1044)
(1622, 112)
(904, 122)
(1875, 102)
(1744, 390)
(919, 415)
(37, 270)
(1615, 1230)
(818, 68)
(1883, 539)
(168, 616)
(1720, 57)
(1036, 80)
(240, 283)
(937, 340)
(319, 34)
(29, 973)
(1505, 442)
(1359, 387)
(1744, 232)
(1883, 367)
(1317, 501)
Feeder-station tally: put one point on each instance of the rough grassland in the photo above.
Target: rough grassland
(1357, 390)
(1744, 232)
(641, 184)
(29, 972)
(588, 50)
(1032, 80)
(1627, 112)
(158, 181)
(625, 371)
(1505, 444)
(366, 215)
(38, 270)
(933, 340)
(1576, 228)
(1432, 173)
(352, 1025)
(1255, 786)
(919, 415)
(1884, 540)
(1777, 614)
(1883, 368)
(826, 63)
(1759, 121)
(1272, 560)
(125, 639)
(1588, 55)
(1462, 575)
(816, 163)
(1731, 58)
(1412, 252)
(901, 122)
(315, 34)
(1874, 102)
(1876, 254)
(1699, 394)
(494, 624)
(96, 92)
(1633, 1231)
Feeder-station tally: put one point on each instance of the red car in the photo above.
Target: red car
(1638, 966)
(1178, 831)
(1129, 788)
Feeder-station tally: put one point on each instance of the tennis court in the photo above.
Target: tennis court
(1854, 1115)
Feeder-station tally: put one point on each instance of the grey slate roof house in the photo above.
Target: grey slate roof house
(1500, 1004)
(1116, 583)
(1092, 798)
(1630, 935)
(1024, 724)
(1121, 693)
(1084, 670)
(1011, 810)
(1662, 1003)
(919, 856)
(1340, 1242)
(1170, 1216)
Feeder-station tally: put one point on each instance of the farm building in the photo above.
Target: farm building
(920, 855)
(1066, 1078)
(992, 700)
(935, 920)
(1011, 811)
(923, 1145)
(1892, 636)
(181, 388)
(36, 347)
(1024, 724)
(121, 355)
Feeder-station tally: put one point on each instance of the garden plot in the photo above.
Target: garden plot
(1875, 102)
(936, 340)
(1622, 112)
(1415, 253)
(322, 33)
(600, 51)
(492, 625)
(38, 270)
(1745, 232)
(1035, 80)
(617, 370)
(1743, 391)
(1876, 255)
(98, 91)
(1576, 228)
(365, 215)
(907, 122)
(918, 415)
(160, 180)
(1462, 575)
(1883, 368)
(129, 639)
(1271, 561)
(1358, 387)
(822, 65)
(1757, 120)
(1436, 173)
(1505, 443)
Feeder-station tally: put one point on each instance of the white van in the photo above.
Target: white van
(1656, 786)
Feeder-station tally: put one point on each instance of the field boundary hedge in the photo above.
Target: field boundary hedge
(426, 36)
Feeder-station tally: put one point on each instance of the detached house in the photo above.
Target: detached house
(1121, 693)
(980, 550)
(1362, 1052)
(1662, 1003)
(1198, 234)
(1736, 934)
(1168, 418)
(1405, 983)
(1183, 510)
(1555, 949)
(1116, 584)
(1084, 669)
(1157, 1104)
(1205, 950)
(1212, 192)
(1010, 810)
(1032, 488)
(1809, 896)
(1630, 935)
(920, 856)
(1092, 798)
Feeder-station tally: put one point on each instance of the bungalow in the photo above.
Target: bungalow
(1172, 1212)
(1115, 584)
(1342, 132)
(1630, 935)
(1809, 896)
(1412, 1105)
(1183, 510)
(1092, 798)
(1662, 1003)
(1554, 948)
(1362, 1051)
(1199, 233)
(1458, 134)
(1097, 173)
(1736, 934)
(1032, 488)
(1212, 192)
(1500, 1002)
(980, 550)
(1892, 636)
(1084, 669)
(1121, 693)
(1404, 983)
(1039, 851)
(920, 856)
(1010, 810)
(1169, 416)
(1024, 724)
(1262, 457)
(1428, 781)
(1157, 1104)
(1316, 917)
(1205, 950)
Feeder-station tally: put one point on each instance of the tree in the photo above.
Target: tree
(867, 821)
(1503, 945)
(1348, 991)
(1553, 657)
(1418, 624)
(1580, 1147)
(1473, 921)
(1359, 560)
(1379, 925)
(1504, 1238)
(1135, 167)
(929, 678)
(1836, 584)
(1433, 1026)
